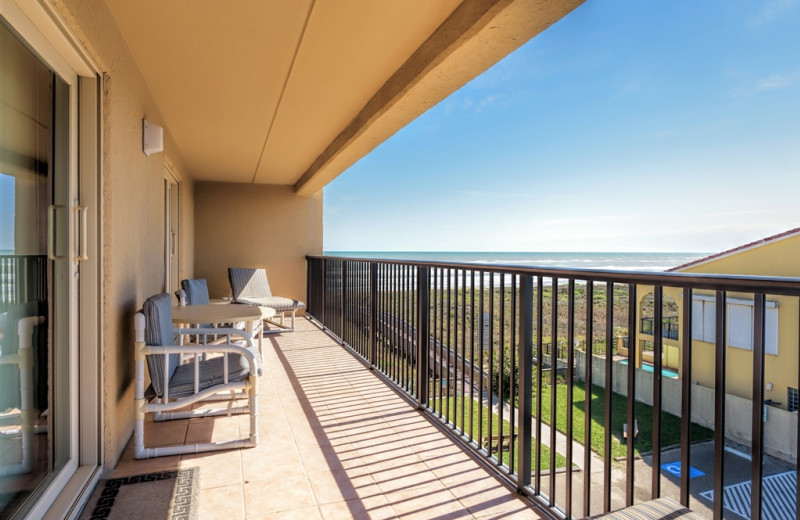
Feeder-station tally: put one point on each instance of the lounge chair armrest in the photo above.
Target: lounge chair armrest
(219, 330)
(205, 349)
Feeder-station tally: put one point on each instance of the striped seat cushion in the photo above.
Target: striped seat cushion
(279, 303)
(660, 509)
(211, 373)
(196, 291)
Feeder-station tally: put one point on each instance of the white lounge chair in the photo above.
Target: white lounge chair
(252, 287)
(176, 387)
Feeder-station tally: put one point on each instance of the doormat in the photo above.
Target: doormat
(167, 494)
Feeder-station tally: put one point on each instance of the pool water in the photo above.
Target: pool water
(649, 368)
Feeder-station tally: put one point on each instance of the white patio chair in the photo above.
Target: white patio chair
(195, 292)
(17, 369)
(252, 287)
(176, 387)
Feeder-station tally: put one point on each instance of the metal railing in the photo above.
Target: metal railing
(669, 327)
(23, 279)
(465, 343)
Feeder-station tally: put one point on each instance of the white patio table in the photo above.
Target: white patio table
(219, 312)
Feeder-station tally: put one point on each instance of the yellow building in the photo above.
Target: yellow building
(774, 256)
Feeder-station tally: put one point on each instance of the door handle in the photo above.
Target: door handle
(83, 253)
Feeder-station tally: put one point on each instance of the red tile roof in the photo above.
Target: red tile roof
(751, 245)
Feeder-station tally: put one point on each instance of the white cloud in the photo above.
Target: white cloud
(774, 82)
(778, 81)
(771, 10)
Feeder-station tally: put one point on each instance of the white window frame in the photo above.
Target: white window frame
(740, 322)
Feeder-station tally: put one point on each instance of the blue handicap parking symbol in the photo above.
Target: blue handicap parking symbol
(675, 469)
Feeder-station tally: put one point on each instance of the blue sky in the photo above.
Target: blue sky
(627, 126)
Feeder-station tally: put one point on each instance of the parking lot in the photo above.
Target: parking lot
(779, 482)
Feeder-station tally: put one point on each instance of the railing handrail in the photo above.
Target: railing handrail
(777, 285)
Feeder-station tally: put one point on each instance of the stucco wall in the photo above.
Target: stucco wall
(132, 210)
(245, 225)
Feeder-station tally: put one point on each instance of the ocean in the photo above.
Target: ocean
(612, 261)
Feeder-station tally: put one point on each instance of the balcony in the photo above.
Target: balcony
(669, 327)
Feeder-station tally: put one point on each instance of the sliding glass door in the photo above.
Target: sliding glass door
(36, 289)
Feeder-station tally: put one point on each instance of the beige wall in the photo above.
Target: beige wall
(245, 225)
(132, 210)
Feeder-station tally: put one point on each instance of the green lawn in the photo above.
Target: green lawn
(448, 404)
(670, 424)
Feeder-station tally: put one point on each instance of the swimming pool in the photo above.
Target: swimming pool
(649, 368)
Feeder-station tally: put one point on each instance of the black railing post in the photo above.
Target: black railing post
(609, 390)
(630, 420)
(553, 386)
(686, 394)
(719, 404)
(757, 448)
(323, 293)
(570, 390)
(658, 293)
(587, 402)
(423, 333)
(343, 302)
(525, 382)
(373, 314)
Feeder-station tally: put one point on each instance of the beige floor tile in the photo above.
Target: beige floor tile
(523, 513)
(338, 486)
(305, 513)
(276, 495)
(257, 467)
(426, 503)
(222, 502)
(217, 429)
(485, 496)
(217, 469)
(165, 433)
(404, 478)
(375, 508)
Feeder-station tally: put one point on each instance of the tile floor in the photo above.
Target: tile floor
(335, 442)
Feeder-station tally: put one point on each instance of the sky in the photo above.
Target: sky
(657, 126)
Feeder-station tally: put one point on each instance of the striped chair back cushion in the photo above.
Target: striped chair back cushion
(158, 332)
(196, 291)
(248, 283)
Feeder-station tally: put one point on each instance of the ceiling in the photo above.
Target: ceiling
(294, 92)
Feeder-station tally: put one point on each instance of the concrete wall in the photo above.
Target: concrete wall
(132, 209)
(780, 428)
(244, 225)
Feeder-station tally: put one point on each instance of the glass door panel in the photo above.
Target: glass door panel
(34, 269)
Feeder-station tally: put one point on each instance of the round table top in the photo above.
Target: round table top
(215, 313)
